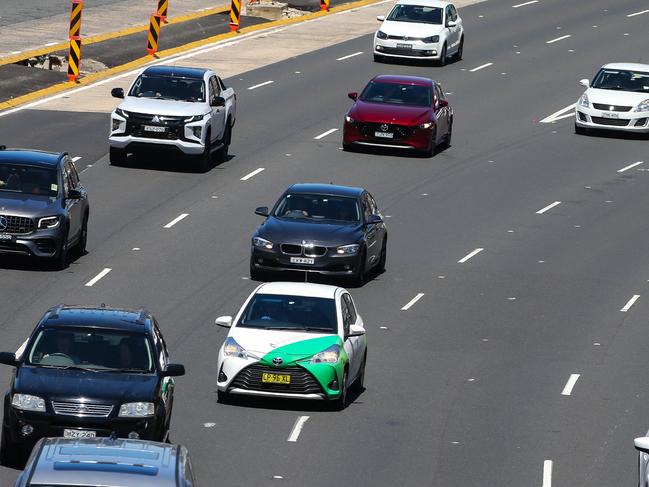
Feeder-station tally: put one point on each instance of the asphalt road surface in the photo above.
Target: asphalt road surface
(16, 11)
(468, 386)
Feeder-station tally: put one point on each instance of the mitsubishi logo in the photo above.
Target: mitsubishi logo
(3, 223)
(155, 119)
(385, 127)
(277, 361)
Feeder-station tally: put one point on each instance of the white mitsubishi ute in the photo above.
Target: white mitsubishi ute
(174, 109)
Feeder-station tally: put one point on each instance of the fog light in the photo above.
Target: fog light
(379, 48)
(134, 435)
(640, 122)
(197, 132)
(434, 52)
(333, 385)
(27, 430)
(222, 377)
(115, 124)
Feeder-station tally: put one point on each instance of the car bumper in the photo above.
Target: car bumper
(358, 133)
(40, 243)
(624, 121)
(419, 50)
(343, 265)
(131, 143)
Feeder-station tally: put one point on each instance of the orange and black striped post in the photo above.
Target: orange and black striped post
(324, 4)
(163, 8)
(154, 34)
(235, 15)
(74, 54)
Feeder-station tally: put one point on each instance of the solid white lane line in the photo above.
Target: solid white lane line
(75, 159)
(547, 473)
(95, 279)
(468, 256)
(480, 67)
(253, 173)
(526, 3)
(630, 166)
(567, 390)
(349, 55)
(412, 302)
(557, 114)
(630, 303)
(549, 207)
(552, 41)
(324, 134)
(297, 428)
(182, 216)
(638, 13)
(254, 87)
(561, 117)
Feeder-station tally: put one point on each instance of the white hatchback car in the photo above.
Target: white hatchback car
(420, 29)
(617, 99)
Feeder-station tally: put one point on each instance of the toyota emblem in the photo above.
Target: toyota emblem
(3, 223)
(277, 361)
(385, 127)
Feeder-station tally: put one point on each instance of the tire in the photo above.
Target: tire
(256, 274)
(581, 130)
(117, 156)
(359, 383)
(348, 147)
(9, 457)
(432, 150)
(380, 267)
(223, 397)
(83, 238)
(204, 160)
(460, 51)
(449, 136)
(227, 138)
(360, 275)
(442, 57)
(340, 403)
(60, 262)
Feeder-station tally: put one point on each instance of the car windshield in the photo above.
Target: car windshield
(622, 80)
(416, 13)
(168, 88)
(91, 349)
(22, 178)
(397, 94)
(318, 207)
(298, 313)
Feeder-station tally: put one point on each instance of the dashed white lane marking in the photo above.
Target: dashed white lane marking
(552, 41)
(252, 174)
(254, 87)
(630, 166)
(547, 473)
(75, 159)
(630, 303)
(635, 14)
(548, 208)
(182, 216)
(411, 303)
(99, 276)
(486, 65)
(469, 255)
(209, 425)
(53, 43)
(559, 114)
(349, 55)
(324, 134)
(297, 428)
(567, 390)
(524, 4)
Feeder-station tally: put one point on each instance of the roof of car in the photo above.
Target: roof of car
(176, 71)
(105, 461)
(415, 80)
(628, 66)
(299, 289)
(102, 317)
(329, 189)
(426, 3)
(33, 157)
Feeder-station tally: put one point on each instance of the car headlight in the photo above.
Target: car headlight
(48, 222)
(643, 106)
(583, 101)
(349, 119)
(121, 113)
(431, 39)
(327, 356)
(195, 118)
(381, 35)
(426, 125)
(262, 243)
(28, 402)
(232, 349)
(136, 409)
(348, 249)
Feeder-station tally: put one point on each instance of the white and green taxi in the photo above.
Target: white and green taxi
(293, 340)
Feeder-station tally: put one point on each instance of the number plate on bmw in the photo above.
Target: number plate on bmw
(79, 434)
(153, 128)
(275, 378)
(302, 260)
(404, 46)
(4, 237)
(384, 135)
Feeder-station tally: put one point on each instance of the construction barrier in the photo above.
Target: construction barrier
(74, 54)
(154, 34)
(324, 4)
(163, 7)
(235, 15)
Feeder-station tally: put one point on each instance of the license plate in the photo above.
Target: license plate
(404, 46)
(302, 260)
(275, 378)
(384, 135)
(5, 237)
(79, 434)
(610, 115)
(154, 128)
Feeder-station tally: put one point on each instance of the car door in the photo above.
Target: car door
(218, 113)
(459, 29)
(371, 231)
(73, 206)
(356, 344)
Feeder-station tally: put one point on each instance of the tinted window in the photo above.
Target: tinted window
(20, 178)
(622, 80)
(416, 13)
(279, 312)
(397, 93)
(350, 306)
(318, 207)
(168, 88)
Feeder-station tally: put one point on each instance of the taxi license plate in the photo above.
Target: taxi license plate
(610, 115)
(404, 46)
(153, 128)
(384, 135)
(302, 260)
(79, 434)
(275, 378)
(4, 237)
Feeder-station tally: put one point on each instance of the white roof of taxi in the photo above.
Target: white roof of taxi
(426, 3)
(298, 289)
(628, 66)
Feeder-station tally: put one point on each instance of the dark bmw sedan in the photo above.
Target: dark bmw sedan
(322, 228)
(88, 372)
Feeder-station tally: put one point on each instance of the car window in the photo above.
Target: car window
(319, 207)
(374, 207)
(168, 88)
(22, 178)
(71, 182)
(221, 84)
(397, 94)
(622, 80)
(453, 13)
(350, 307)
(215, 89)
(416, 13)
(161, 347)
(346, 316)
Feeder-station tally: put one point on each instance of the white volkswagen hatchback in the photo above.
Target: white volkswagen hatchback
(420, 29)
(293, 340)
(617, 99)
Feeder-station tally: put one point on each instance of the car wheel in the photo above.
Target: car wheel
(384, 255)
(432, 150)
(442, 56)
(9, 457)
(205, 158)
(449, 135)
(581, 130)
(359, 383)
(341, 402)
(83, 238)
(256, 274)
(117, 156)
(60, 261)
(460, 51)
(359, 276)
(223, 397)
(227, 138)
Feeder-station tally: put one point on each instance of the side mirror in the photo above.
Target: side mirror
(353, 95)
(74, 194)
(442, 103)
(117, 92)
(356, 331)
(224, 321)
(262, 211)
(584, 82)
(642, 444)
(174, 370)
(217, 101)
(380, 18)
(374, 219)
(8, 358)
(451, 23)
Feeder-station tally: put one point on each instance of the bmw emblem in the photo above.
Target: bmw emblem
(277, 361)
(385, 127)
(3, 223)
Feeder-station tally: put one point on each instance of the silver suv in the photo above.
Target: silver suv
(188, 111)
(108, 462)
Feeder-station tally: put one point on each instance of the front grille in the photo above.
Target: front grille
(13, 248)
(400, 132)
(174, 125)
(612, 108)
(302, 382)
(46, 245)
(18, 225)
(315, 251)
(291, 249)
(616, 122)
(82, 409)
(407, 52)
(404, 38)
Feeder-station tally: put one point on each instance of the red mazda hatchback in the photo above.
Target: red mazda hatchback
(401, 112)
